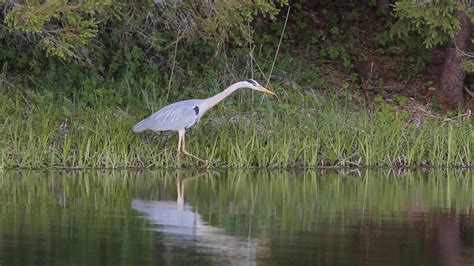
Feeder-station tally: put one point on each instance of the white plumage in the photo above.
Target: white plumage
(181, 115)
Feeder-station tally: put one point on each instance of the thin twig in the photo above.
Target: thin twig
(463, 53)
(278, 47)
(251, 49)
(226, 63)
(256, 64)
(365, 84)
(468, 91)
(466, 114)
(174, 63)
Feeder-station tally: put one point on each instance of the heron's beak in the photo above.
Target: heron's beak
(262, 89)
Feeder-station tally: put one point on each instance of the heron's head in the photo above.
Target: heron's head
(254, 85)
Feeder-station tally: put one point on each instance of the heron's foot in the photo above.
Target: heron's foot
(194, 156)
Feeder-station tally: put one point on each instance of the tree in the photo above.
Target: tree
(63, 28)
(440, 22)
(66, 29)
(452, 76)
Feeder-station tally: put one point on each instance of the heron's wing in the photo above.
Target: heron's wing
(175, 116)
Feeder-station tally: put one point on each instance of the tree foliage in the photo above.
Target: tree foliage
(63, 28)
(67, 29)
(435, 21)
(218, 20)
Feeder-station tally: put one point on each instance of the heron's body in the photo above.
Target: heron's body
(176, 116)
(181, 115)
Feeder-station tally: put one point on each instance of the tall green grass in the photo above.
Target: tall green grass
(294, 130)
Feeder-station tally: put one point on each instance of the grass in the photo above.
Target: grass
(302, 129)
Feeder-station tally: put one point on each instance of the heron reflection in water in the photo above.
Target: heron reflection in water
(182, 115)
(183, 227)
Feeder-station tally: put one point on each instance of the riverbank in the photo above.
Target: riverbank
(296, 129)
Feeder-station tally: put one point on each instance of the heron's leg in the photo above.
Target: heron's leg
(183, 149)
(180, 189)
(180, 141)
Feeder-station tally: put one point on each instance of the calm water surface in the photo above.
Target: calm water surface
(237, 218)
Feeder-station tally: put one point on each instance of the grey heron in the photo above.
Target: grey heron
(182, 115)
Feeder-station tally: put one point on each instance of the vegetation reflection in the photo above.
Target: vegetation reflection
(68, 212)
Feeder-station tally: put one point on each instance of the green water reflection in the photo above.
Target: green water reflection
(239, 217)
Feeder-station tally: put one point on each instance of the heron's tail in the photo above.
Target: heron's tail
(141, 126)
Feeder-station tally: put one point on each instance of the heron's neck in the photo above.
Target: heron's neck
(211, 101)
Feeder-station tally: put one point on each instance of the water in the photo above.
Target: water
(237, 218)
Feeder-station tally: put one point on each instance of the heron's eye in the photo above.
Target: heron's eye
(196, 109)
